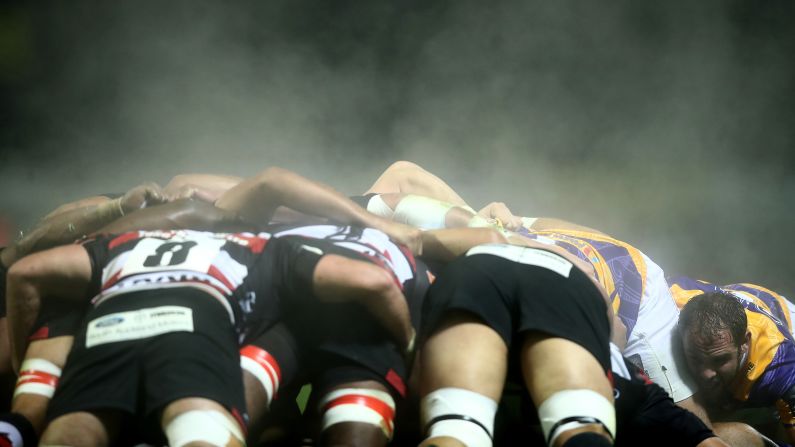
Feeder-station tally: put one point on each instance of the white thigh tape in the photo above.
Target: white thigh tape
(422, 212)
(359, 405)
(586, 405)
(377, 206)
(37, 376)
(207, 426)
(263, 367)
(461, 414)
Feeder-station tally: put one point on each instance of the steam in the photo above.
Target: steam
(668, 125)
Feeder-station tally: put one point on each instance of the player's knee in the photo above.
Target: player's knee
(464, 415)
(364, 407)
(581, 409)
(203, 428)
(371, 278)
(402, 165)
(74, 429)
(264, 368)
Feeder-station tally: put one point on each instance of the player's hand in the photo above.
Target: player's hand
(142, 196)
(189, 191)
(500, 211)
(404, 234)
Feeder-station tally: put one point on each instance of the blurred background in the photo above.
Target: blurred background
(670, 125)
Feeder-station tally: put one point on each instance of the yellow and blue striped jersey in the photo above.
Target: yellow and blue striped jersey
(768, 375)
(620, 267)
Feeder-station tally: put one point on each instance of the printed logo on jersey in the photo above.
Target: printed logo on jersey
(138, 324)
(162, 257)
(526, 255)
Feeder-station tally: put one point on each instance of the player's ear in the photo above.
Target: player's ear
(746, 342)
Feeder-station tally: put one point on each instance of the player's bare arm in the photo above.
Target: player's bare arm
(62, 272)
(257, 198)
(66, 227)
(179, 214)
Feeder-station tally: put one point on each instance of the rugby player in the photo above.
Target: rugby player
(740, 354)
(174, 304)
(529, 313)
(190, 214)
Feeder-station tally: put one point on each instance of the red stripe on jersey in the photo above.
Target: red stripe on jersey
(126, 237)
(111, 281)
(409, 256)
(263, 358)
(33, 376)
(394, 379)
(41, 333)
(373, 403)
(215, 273)
(255, 243)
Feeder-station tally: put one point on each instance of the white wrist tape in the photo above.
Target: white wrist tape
(377, 206)
(422, 212)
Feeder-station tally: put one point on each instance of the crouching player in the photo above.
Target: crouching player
(527, 313)
(159, 341)
(351, 352)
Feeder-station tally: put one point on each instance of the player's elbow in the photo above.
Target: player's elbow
(403, 164)
(375, 281)
(272, 177)
(22, 272)
(493, 236)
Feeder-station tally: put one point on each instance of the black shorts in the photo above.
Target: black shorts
(513, 297)
(333, 333)
(141, 376)
(56, 319)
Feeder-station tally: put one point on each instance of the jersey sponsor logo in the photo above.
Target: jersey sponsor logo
(138, 324)
(107, 322)
(526, 255)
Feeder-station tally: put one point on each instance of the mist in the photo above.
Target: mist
(669, 125)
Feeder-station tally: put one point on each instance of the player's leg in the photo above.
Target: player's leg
(357, 413)
(195, 422)
(38, 379)
(409, 178)
(95, 428)
(464, 364)
(270, 363)
(569, 388)
(192, 380)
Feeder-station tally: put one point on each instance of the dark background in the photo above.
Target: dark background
(670, 125)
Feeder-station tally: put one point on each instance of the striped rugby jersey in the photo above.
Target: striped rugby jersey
(619, 266)
(768, 375)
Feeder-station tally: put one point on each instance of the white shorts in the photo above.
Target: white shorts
(791, 309)
(654, 343)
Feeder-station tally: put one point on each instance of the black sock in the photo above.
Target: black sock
(15, 428)
(587, 439)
